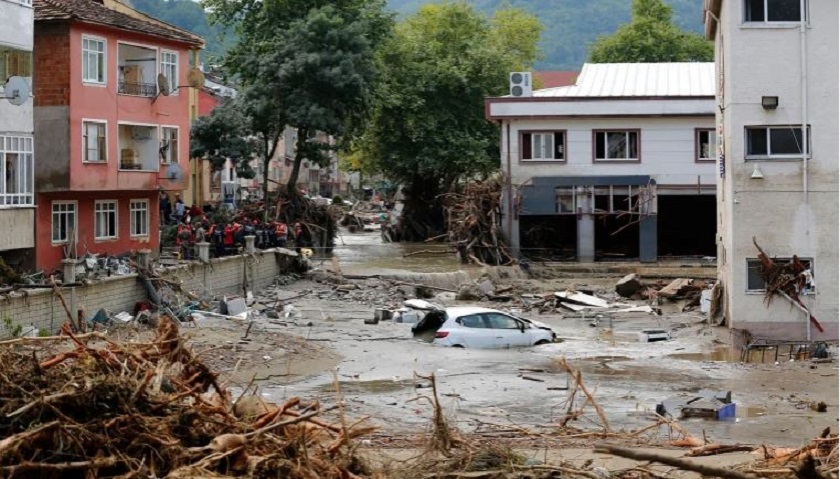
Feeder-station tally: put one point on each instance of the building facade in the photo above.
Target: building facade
(618, 166)
(777, 93)
(17, 195)
(112, 122)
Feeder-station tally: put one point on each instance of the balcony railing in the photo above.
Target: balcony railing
(139, 89)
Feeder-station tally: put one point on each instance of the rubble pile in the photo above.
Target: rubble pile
(95, 407)
(472, 221)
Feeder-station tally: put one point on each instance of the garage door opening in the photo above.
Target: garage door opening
(548, 237)
(686, 225)
(616, 239)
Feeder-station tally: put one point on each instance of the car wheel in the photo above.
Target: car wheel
(461, 346)
(541, 341)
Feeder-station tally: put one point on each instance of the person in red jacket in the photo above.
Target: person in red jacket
(184, 239)
(281, 232)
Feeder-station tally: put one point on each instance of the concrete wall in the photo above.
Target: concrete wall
(42, 308)
(16, 29)
(789, 211)
(18, 226)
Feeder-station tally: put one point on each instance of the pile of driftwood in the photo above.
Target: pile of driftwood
(87, 406)
(788, 280)
(472, 217)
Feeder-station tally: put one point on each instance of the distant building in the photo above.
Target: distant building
(17, 165)
(109, 137)
(550, 79)
(777, 168)
(618, 166)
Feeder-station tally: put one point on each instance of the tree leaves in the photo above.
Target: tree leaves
(650, 37)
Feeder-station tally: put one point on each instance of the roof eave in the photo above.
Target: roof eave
(198, 42)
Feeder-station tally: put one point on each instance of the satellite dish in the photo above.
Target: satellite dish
(195, 78)
(16, 90)
(174, 172)
(163, 84)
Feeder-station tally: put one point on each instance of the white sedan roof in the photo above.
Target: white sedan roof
(459, 311)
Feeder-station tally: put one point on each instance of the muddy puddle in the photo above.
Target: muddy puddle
(365, 253)
(725, 354)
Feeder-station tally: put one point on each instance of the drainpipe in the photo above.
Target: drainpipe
(509, 184)
(803, 65)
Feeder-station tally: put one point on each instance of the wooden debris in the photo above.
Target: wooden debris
(787, 280)
(472, 221)
(153, 409)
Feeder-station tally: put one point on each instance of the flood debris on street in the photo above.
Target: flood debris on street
(89, 405)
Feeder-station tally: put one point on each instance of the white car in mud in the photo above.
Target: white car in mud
(475, 327)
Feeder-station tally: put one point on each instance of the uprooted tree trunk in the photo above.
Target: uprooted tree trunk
(787, 280)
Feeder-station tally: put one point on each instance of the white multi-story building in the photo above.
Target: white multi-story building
(618, 166)
(777, 114)
(17, 200)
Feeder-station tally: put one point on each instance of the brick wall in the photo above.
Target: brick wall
(42, 308)
(52, 65)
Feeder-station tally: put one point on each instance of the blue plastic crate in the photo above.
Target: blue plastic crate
(726, 412)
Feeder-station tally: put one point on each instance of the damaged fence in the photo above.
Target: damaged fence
(41, 311)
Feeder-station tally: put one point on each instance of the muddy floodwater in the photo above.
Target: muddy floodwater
(379, 363)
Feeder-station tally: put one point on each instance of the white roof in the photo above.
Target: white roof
(640, 80)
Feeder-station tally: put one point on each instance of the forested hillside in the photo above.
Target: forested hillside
(191, 16)
(570, 25)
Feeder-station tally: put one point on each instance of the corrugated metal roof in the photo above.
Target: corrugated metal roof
(639, 79)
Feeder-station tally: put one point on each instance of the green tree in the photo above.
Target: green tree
(224, 135)
(427, 129)
(651, 37)
(310, 63)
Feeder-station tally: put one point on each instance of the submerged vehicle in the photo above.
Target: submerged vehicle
(477, 327)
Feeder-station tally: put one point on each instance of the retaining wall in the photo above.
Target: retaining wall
(42, 308)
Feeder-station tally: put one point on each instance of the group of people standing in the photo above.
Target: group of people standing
(226, 238)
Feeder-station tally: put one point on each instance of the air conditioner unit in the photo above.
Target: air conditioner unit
(520, 84)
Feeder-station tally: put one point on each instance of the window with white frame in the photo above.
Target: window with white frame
(544, 146)
(169, 68)
(169, 145)
(63, 221)
(95, 141)
(706, 145)
(105, 219)
(775, 142)
(16, 171)
(93, 59)
(616, 145)
(770, 11)
(756, 275)
(139, 216)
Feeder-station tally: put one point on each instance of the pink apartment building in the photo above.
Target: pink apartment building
(108, 139)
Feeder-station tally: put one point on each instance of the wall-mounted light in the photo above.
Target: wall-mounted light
(769, 102)
(757, 174)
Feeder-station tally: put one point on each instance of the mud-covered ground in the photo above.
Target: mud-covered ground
(325, 343)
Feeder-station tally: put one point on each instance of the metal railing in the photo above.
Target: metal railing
(139, 89)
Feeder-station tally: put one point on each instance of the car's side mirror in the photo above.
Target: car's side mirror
(521, 326)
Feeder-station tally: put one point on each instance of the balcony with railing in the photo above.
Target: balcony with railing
(137, 71)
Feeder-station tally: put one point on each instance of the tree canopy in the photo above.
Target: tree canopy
(222, 135)
(427, 127)
(651, 37)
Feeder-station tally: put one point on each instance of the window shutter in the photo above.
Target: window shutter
(559, 145)
(526, 146)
